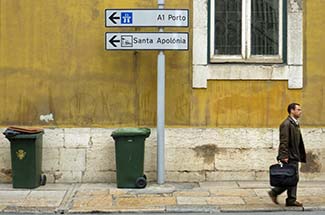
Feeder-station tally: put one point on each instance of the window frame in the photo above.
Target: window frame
(246, 56)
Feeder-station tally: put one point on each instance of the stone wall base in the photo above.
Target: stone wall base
(192, 154)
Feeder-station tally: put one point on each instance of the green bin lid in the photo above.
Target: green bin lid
(27, 136)
(125, 132)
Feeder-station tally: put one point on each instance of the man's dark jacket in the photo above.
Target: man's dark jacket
(291, 143)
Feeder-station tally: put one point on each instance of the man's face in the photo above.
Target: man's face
(296, 113)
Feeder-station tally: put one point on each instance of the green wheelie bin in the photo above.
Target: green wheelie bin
(26, 157)
(129, 155)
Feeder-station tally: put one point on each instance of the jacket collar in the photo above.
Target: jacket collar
(292, 121)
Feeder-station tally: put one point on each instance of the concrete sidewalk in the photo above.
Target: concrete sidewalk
(225, 196)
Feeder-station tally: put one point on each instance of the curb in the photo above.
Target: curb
(282, 209)
(192, 209)
(314, 208)
(169, 209)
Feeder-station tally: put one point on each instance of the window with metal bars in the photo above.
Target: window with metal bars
(246, 31)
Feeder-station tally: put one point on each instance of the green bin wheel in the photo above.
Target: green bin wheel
(43, 180)
(141, 182)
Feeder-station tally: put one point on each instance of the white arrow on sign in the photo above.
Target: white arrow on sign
(146, 18)
(146, 41)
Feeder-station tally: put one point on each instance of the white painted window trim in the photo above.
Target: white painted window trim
(292, 71)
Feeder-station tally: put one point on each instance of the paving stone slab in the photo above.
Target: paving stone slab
(224, 184)
(97, 186)
(254, 184)
(13, 197)
(144, 202)
(149, 195)
(181, 200)
(139, 210)
(192, 193)
(184, 186)
(220, 200)
(44, 199)
(232, 192)
(54, 187)
(118, 192)
(99, 202)
(312, 199)
(310, 191)
(262, 191)
(91, 194)
(154, 189)
(6, 186)
(258, 200)
(29, 210)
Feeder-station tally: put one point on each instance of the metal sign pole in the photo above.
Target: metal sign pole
(161, 111)
(150, 41)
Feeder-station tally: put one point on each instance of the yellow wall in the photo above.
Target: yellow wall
(314, 52)
(52, 60)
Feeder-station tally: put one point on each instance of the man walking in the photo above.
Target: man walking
(292, 151)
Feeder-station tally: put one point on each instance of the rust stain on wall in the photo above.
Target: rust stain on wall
(313, 164)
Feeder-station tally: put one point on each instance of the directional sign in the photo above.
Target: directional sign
(146, 41)
(146, 18)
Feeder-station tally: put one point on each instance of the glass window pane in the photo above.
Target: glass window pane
(265, 27)
(228, 27)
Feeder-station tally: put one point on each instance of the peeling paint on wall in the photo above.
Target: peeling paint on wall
(295, 5)
(47, 118)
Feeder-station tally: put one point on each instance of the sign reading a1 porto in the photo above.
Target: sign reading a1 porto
(146, 41)
(146, 18)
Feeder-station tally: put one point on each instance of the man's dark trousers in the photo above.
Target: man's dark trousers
(291, 191)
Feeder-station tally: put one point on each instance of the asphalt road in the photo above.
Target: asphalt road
(245, 213)
(251, 213)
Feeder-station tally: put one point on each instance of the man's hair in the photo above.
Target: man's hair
(292, 106)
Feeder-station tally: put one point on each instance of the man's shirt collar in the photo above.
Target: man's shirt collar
(295, 120)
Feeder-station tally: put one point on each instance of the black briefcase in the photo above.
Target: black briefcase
(283, 175)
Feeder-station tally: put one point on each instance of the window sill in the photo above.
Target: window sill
(252, 60)
(203, 73)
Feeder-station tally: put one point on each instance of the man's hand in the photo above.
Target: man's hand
(285, 160)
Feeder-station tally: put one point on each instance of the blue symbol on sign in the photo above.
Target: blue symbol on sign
(126, 18)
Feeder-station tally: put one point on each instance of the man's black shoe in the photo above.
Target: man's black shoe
(273, 197)
(294, 204)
